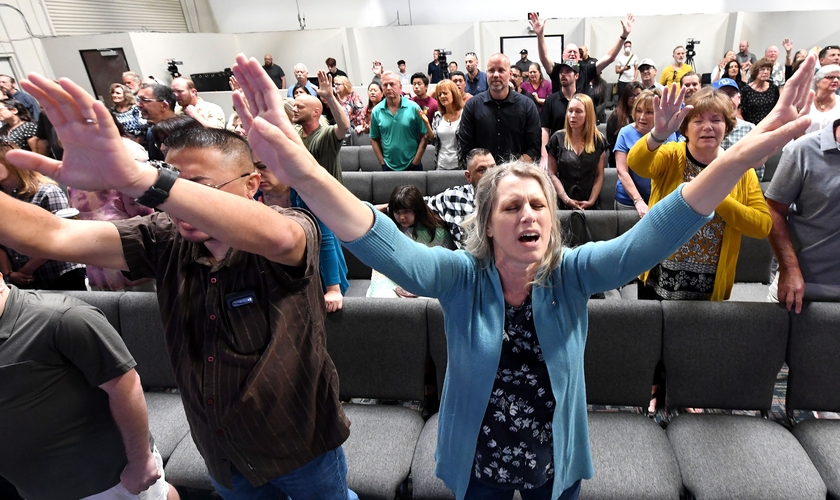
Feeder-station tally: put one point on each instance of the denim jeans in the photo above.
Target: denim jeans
(325, 477)
(481, 491)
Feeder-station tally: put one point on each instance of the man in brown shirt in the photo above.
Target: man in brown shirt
(238, 289)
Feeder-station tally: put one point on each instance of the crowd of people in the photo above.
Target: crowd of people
(689, 161)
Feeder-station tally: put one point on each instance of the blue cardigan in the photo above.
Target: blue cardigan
(470, 294)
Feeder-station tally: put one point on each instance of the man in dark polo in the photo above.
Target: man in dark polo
(74, 420)
(502, 121)
(238, 288)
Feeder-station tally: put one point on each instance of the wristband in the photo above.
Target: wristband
(623, 37)
(657, 140)
(637, 200)
(159, 192)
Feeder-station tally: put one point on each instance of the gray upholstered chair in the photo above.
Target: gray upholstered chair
(813, 382)
(720, 356)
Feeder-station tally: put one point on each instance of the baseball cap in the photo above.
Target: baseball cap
(726, 82)
(571, 64)
(647, 62)
(523, 51)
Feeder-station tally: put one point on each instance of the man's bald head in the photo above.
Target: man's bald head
(571, 52)
(307, 108)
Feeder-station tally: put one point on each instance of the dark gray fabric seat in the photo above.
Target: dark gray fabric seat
(367, 158)
(349, 158)
(631, 454)
(720, 356)
(186, 467)
(606, 196)
(813, 382)
(425, 484)
(167, 421)
(738, 457)
(385, 182)
(376, 359)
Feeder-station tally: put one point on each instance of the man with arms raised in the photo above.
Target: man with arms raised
(238, 288)
(502, 121)
(571, 52)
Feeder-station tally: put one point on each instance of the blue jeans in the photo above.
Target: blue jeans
(481, 491)
(325, 477)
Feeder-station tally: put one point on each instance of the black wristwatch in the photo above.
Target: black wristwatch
(159, 192)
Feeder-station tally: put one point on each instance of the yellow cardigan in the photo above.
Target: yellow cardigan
(744, 210)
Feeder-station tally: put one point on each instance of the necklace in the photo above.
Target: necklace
(823, 106)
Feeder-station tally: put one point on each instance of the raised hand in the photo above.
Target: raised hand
(787, 120)
(669, 112)
(536, 23)
(627, 24)
(94, 155)
(325, 85)
(271, 135)
(787, 44)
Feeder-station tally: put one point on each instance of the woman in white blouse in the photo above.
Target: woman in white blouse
(443, 131)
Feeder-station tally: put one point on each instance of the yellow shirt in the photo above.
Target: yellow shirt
(671, 74)
(744, 210)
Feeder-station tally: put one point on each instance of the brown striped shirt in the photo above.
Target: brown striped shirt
(260, 390)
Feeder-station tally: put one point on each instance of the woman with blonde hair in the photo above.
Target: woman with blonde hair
(632, 191)
(576, 156)
(21, 270)
(515, 285)
(349, 100)
(443, 131)
(126, 110)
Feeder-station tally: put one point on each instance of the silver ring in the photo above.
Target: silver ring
(90, 121)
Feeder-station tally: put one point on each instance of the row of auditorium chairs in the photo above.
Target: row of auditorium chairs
(361, 158)
(716, 355)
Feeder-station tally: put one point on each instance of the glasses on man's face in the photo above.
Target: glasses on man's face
(146, 100)
(223, 184)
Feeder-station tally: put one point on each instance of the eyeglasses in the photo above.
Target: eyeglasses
(831, 77)
(220, 186)
(146, 100)
(468, 54)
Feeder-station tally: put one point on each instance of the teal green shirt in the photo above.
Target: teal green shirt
(399, 134)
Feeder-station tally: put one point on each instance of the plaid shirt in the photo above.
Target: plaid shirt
(453, 206)
(742, 128)
(51, 198)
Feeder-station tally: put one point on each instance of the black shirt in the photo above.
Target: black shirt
(434, 72)
(507, 128)
(586, 74)
(553, 115)
(276, 73)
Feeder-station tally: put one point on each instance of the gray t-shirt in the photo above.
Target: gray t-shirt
(808, 178)
(59, 440)
(325, 147)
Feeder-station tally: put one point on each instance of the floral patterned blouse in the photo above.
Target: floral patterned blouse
(689, 274)
(355, 109)
(515, 443)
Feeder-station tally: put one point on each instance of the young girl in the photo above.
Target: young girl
(414, 218)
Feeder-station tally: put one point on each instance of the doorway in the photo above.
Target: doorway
(104, 67)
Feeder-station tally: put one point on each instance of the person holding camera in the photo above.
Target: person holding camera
(626, 66)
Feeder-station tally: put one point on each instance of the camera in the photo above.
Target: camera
(689, 47)
(172, 67)
(442, 53)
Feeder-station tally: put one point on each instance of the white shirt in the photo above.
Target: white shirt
(627, 60)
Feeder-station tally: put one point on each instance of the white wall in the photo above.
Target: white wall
(310, 47)
(270, 15)
(200, 52)
(805, 29)
(26, 53)
(65, 60)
